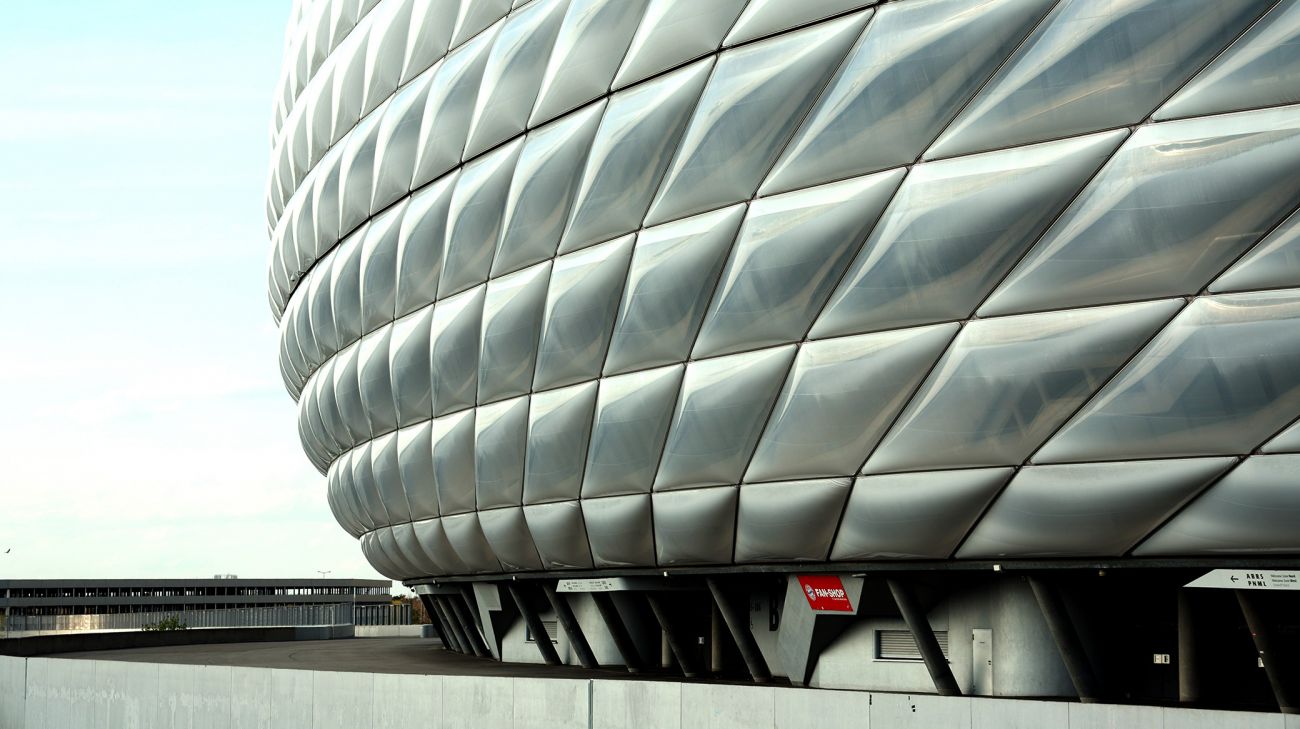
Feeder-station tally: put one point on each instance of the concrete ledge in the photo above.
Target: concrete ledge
(393, 631)
(56, 693)
(76, 642)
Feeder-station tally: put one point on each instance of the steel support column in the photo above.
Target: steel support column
(460, 606)
(1277, 666)
(540, 637)
(617, 631)
(459, 641)
(564, 614)
(670, 633)
(738, 625)
(1067, 640)
(923, 635)
(427, 602)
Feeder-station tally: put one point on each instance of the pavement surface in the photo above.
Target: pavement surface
(368, 655)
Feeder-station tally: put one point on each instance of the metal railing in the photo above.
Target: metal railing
(19, 626)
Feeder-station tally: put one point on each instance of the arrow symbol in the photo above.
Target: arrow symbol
(1233, 578)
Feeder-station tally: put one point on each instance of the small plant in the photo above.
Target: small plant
(171, 622)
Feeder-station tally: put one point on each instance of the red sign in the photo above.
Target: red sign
(825, 593)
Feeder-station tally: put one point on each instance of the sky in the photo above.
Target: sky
(144, 428)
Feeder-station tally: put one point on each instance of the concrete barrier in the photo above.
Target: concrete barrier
(59, 693)
(77, 642)
(394, 631)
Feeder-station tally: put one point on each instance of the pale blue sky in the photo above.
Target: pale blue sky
(145, 430)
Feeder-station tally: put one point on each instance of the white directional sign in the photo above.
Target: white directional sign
(1248, 580)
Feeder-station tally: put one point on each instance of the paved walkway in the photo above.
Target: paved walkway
(371, 655)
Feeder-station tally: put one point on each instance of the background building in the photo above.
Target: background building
(33, 607)
(995, 302)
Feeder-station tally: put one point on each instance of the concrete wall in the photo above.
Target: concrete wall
(55, 693)
(394, 631)
(115, 640)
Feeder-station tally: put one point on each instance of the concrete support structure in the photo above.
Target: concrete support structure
(919, 625)
(540, 637)
(1067, 640)
(738, 625)
(569, 623)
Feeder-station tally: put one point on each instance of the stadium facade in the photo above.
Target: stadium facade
(917, 345)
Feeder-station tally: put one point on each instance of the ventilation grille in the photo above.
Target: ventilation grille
(897, 645)
(552, 632)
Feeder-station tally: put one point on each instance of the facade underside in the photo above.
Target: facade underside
(762, 287)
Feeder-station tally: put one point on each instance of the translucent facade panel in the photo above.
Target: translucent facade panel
(507, 533)
(349, 84)
(399, 139)
(673, 32)
(388, 477)
(513, 74)
(1174, 208)
(1092, 66)
(345, 288)
(719, 416)
(588, 49)
(954, 230)
(412, 387)
(409, 544)
(363, 485)
(377, 558)
(512, 318)
(385, 52)
(632, 148)
(474, 218)
(325, 196)
(415, 461)
(559, 423)
(917, 64)
(1288, 441)
(791, 250)
(320, 306)
(790, 521)
(559, 534)
(766, 17)
(387, 540)
(347, 394)
(1274, 263)
(1258, 70)
(419, 247)
(631, 421)
(619, 531)
(500, 435)
(466, 537)
(376, 376)
(841, 396)
(453, 461)
(753, 103)
(581, 302)
(433, 539)
(914, 515)
(453, 358)
(672, 276)
(1253, 510)
(449, 107)
(1220, 379)
(430, 35)
(475, 16)
(1087, 510)
(545, 180)
(695, 526)
(357, 173)
(379, 269)
(1006, 384)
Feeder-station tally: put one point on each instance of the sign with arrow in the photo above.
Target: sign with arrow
(1248, 580)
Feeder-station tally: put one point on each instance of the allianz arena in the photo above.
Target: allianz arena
(924, 345)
